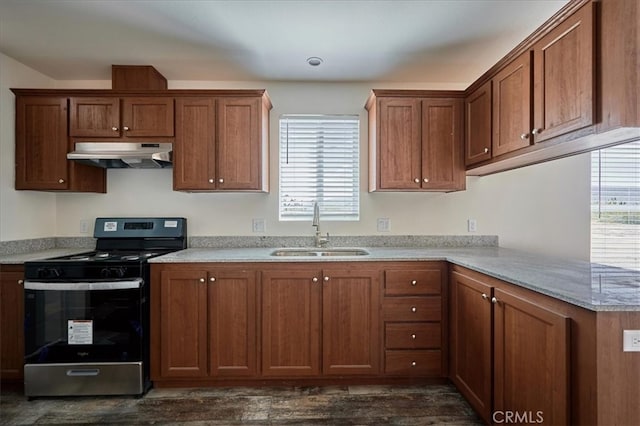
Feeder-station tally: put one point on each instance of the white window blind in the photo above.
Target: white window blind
(319, 161)
(615, 206)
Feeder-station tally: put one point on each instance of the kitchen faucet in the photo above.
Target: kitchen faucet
(320, 240)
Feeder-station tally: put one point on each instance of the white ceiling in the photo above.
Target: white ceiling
(451, 41)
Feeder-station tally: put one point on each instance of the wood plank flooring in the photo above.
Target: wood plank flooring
(340, 405)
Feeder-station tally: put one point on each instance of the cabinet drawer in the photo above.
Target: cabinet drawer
(412, 309)
(412, 282)
(418, 362)
(412, 335)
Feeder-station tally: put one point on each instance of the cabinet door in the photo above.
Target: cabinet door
(470, 340)
(291, 309)
(183, 324)
(531, 359)
(512, 106)
(194, 148)
(41, 143)
(239, 148)
(351, 322)
(11, 325)
(147, 117)
(563, 77)
(400, 144)
(478, 125)
(232, 323)
(94, 117)
(442, 160)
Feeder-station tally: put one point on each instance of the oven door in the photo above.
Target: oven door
(83, 322)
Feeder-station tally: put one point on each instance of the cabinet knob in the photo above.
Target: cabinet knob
(484, 296)
(20, 282)
(115, 129)
(414, 282)
(413, 363)
(125, 128)
(221, 180)
(212, 279)
(60, 180)
(486, 150)
(201, 280)
(326, 279)
(413, 336)
(426, 180)
(524, 136)
(414, 309)
(536, 131)
(210, 180)
(314, 279)
(416, 180)
(494, 300)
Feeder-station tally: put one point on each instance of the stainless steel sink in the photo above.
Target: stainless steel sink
(311, 252)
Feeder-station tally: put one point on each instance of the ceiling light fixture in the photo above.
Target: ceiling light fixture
(314, 61)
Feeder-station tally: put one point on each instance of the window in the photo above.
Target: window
(615, 206)
(319, 161)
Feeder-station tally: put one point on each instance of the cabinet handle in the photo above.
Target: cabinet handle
(416, 180)
(414, 309)
(426, 180)
(60, 180)
(20, 282)
(484, 296)
(212, 279)
(524, 136)
(314, 279)
(221, 180)
(413, 336)
(125, 128)
(115, 129)
(536, 131)
(326, 279)
(210, 180)
(494, 300)
(201, 280)
(414, 282)
(413, 363)
(486, 150)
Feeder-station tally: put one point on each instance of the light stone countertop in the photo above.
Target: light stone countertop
(588, 285)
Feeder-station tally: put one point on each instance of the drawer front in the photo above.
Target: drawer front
(413, 335)
(412, 282)
(413, 363)
(412, 309)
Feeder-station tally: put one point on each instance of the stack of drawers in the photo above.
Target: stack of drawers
(412, 314)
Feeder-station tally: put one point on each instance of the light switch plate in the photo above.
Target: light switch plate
(384, 224)
(472, 225)
(631, 340)
(259, 225)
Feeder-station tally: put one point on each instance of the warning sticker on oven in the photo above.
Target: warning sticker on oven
(110, 226)
(80, 332)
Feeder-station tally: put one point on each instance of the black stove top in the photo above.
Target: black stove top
(112, 256)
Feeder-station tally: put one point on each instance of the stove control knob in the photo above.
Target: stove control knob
(118, 272)
(49, 273)
(112, 272)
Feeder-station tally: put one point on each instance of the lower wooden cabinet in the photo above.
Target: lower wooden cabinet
(500, 336)
(11, 320)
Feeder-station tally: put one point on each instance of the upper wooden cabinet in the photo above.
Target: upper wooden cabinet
(221, 143)
(415, 141)
(478, 124)
(42, 143)
(101, 117)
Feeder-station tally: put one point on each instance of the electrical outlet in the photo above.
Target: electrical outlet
(259, 225)
(631, 340)
(84, 227)
(384, 224)
(472, 225)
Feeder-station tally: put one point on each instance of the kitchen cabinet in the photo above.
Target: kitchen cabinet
(413, 313)
(100, 117)
(42, 143)
(221, 144)
(204, 322)
(527, 359)
(320, 321)
(478, 130)
(11, 318)
(415, 141)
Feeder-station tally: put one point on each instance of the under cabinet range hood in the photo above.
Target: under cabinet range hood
(121, 155)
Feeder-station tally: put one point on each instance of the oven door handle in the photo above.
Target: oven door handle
(83, 286)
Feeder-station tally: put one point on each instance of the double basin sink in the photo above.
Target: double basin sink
(312, 252)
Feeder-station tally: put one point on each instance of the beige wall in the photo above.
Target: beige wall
(543, 208)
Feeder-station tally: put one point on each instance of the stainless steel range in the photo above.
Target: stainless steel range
(87, 316)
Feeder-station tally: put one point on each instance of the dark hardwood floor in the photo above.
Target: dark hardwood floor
(348, 405)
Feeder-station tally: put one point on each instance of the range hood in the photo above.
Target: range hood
(122, 155)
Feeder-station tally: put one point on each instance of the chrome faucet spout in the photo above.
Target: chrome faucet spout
(316, 215)
(319, 239)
